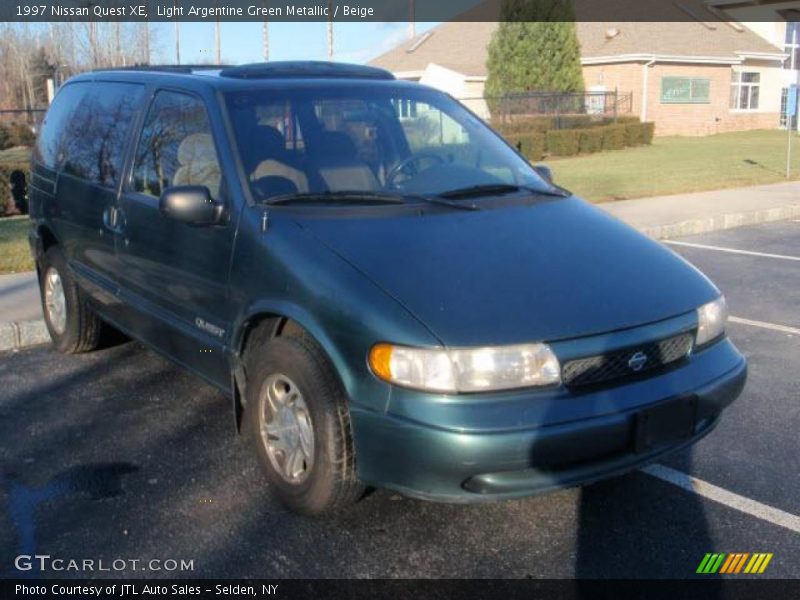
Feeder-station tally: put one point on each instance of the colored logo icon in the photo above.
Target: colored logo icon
(734, 563)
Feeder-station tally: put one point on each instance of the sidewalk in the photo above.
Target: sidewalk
(660, 217)
(21, 322)
(19, 297)
(664, 217)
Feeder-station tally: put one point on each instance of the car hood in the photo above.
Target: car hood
(540, 272)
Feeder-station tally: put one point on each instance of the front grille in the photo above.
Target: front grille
(626, 363)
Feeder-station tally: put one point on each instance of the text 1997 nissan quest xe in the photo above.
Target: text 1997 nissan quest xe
(388, 292)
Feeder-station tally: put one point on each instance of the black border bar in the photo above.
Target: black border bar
(375, 10)
(480, 589)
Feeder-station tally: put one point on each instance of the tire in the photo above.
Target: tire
(74, 327)
(326, 480)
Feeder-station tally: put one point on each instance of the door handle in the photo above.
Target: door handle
(112, 219)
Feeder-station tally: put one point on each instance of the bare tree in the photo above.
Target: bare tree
(32, 54)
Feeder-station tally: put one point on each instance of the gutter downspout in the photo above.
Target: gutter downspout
(645, 82)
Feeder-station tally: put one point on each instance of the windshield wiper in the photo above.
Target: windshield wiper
(345, 197)
(442, 202)
(339, 197)
(498, 189)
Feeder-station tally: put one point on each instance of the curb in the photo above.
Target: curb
(22, 334)
(720, 222)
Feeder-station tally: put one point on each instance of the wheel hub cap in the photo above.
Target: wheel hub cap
(286, 429)
(54, 301)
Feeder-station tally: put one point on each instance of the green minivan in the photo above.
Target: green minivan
(388, 293)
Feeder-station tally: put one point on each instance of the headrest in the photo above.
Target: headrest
(335, 144)
(197, 147)
(269, 139)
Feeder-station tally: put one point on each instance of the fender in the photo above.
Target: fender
(280, 310)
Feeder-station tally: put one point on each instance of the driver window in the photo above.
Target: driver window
(176, 147)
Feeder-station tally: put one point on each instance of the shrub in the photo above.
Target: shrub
(590, 140)
(648, 129)
(613, 137)
(563, 142)
(637, 133)
(600, 134)
(522, 125)
(5, 136)
(576, 122)
(7, 205)
(531, 145)
(20, 134)
(633, 134)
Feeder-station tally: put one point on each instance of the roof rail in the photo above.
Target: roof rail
(309, 69)
(164, 68)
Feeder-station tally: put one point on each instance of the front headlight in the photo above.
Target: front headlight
(711, 320)
(466, 369)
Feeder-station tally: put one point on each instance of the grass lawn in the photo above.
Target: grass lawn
(14, 253)
(673, 165)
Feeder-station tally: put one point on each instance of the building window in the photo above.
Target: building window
(791, 45)
(744, 90)
(783, 117)
(685, 90)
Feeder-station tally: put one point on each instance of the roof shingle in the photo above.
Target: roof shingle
(461, 45)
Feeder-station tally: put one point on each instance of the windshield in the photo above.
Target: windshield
(368, 139)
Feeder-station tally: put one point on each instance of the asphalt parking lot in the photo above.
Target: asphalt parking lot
(118, 454)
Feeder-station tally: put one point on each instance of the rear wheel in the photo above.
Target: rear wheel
(297, 417)
(73, 325)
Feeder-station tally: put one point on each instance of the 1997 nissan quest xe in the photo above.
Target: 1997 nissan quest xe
(388, 292)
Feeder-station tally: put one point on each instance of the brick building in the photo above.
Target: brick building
(691, 77)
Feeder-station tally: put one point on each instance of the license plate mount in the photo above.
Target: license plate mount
(666, 423)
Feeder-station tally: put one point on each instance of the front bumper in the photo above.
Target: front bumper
(562, 439)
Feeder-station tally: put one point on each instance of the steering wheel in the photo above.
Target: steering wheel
(407, 162)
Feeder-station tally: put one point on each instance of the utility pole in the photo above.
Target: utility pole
(330, 29)
(265, 36)
(217, 38)
(412, 21)
(791, 109)
(146, 43)
(177, 42)
(217, 43)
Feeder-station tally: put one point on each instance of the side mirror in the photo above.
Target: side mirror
(191, 204)
(544, 172)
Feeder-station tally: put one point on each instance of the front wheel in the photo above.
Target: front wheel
(297, 416)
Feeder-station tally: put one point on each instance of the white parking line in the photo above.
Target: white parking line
(729, 499)
(732, 250)
(765, 325)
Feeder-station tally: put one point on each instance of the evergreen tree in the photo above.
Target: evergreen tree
(535, 48)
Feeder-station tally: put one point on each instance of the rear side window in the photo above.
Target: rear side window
(98, 132)
(51, 145)
(176, 146)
